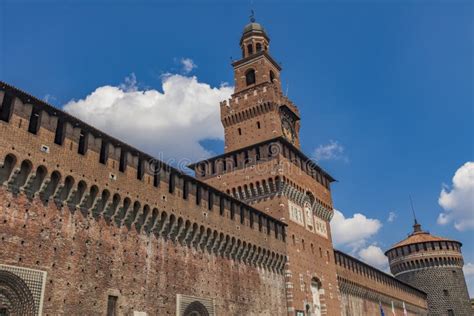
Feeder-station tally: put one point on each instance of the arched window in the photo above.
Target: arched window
(272, 76)
(250, 49)
(315, 292)
(259, 47)
(250, 77)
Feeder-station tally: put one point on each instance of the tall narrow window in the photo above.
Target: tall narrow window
(172, 182)
(112, 305)
(104, 152)
(140, 169)
(221, 205)
(185, 189)
(7, 107)
(35, 121)
(272, 76)
(258, 125)
(259, 47)
(82, 143)
(123, 160)
(239, 130)
(156, 174)
(250, 77)
(250, 49)
(210, 200)
(198, 194)
(60, 132)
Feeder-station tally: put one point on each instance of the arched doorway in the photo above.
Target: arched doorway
(15, 296)
(196, 309)
(316, 297)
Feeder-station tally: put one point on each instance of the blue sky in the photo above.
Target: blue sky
(385, 88)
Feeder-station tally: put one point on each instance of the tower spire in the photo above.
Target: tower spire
(416, 225)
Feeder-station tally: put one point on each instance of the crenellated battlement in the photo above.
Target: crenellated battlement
(50, 155)
(263, 95)
(362, 280)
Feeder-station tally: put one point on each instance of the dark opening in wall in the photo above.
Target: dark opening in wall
(250, 49)
(112, 305)
(246, 157)
(210, 200)
(156, 174)
(239, 130)
(221, 205)
(82, 143)
(185, 189)
(172, 182)
(259, 47)
(104, 152)
(7, 108)
(232, 210)
(35, 121)
(235, 160)
(258, 125)
(198, 194)
(250, 77)
(140, 169)
(60, 132)
(272, 76)
(123, 160)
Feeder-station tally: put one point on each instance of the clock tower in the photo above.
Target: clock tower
(263, 166)
(246, 123)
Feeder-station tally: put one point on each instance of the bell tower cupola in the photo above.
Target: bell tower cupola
(254, 38)
(256, 67)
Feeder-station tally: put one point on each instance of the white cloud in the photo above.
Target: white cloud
(458, 204)
(168, 124)
(374, 256)
(468, 270)
(49, 98)
(391, 217)
(331, 151)
(188, 65)
(354, 231)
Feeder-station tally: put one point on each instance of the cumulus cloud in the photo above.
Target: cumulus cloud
(374, 256)
(458, 202)
(353, 232)
(169, 124)
(331, 151)
(392, 216)
(188, 65)
(468, 270)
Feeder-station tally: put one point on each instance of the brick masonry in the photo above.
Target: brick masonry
(250, 235)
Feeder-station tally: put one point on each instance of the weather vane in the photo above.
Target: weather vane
(252, 16)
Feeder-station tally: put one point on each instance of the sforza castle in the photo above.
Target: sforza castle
(90, 225)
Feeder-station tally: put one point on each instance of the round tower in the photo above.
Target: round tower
(434, 265)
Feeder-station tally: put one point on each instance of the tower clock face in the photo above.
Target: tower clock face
(288, 129)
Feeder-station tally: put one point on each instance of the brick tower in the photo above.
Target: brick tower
(264, 166)
(434, 265)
